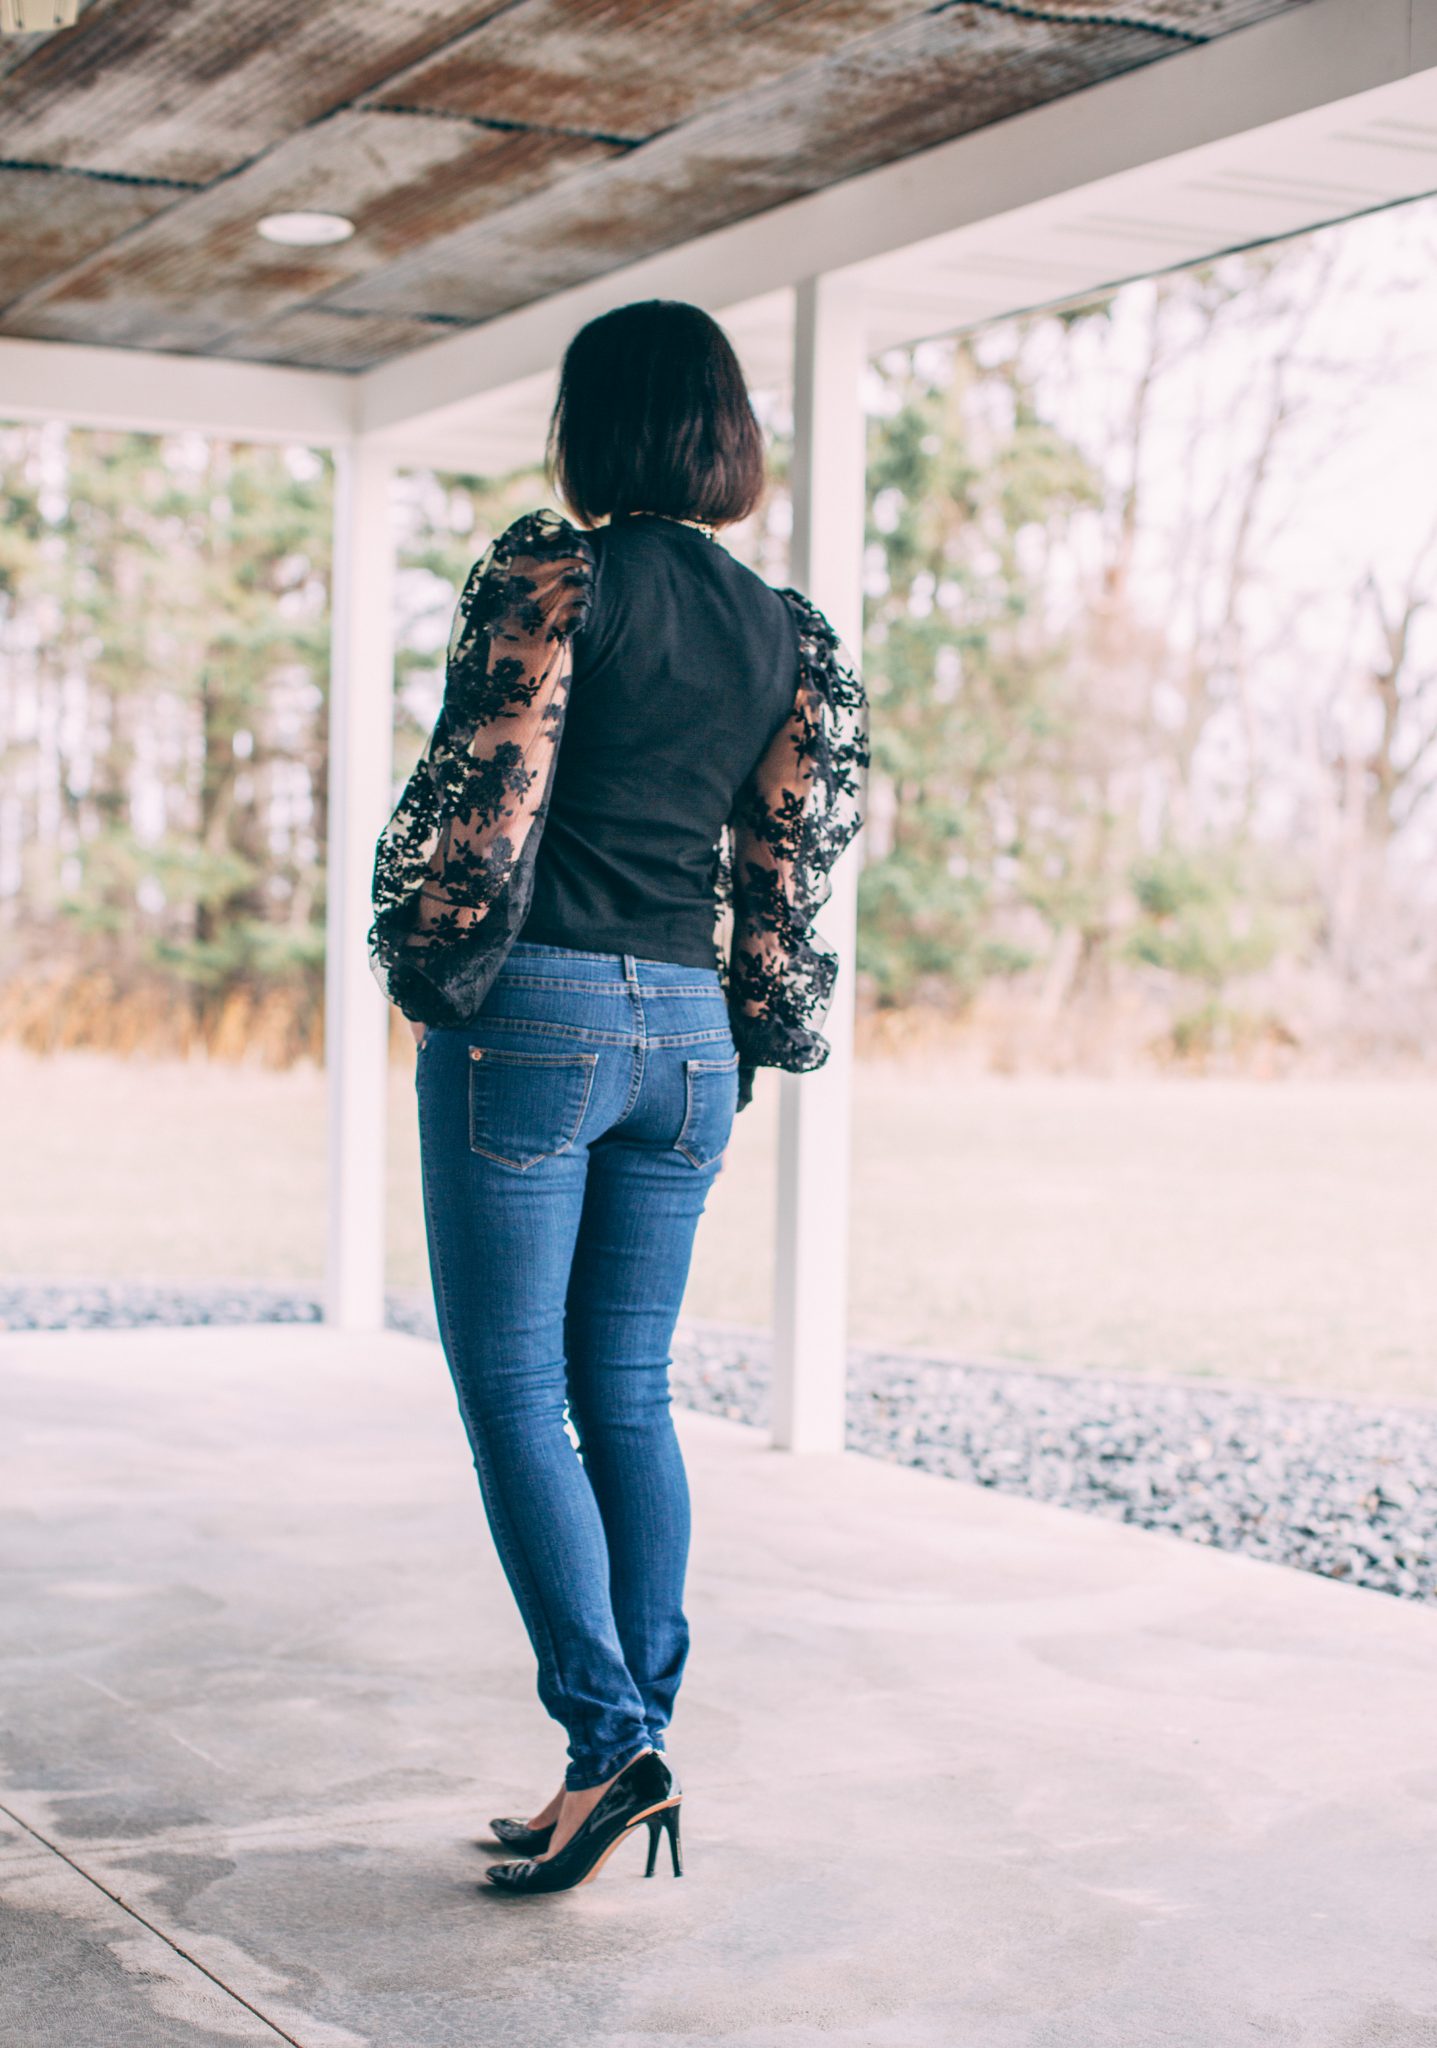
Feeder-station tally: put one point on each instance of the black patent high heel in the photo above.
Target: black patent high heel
(519, 1836)
(665, 1822)
(645, 1790)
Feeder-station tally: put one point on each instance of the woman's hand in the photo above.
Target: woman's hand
(418, 1030)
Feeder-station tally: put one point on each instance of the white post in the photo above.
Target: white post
(810, 1312)
(361, 755)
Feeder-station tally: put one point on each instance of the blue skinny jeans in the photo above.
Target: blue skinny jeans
(569, 1137)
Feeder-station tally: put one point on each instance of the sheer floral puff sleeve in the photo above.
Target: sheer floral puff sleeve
(792, 818)
(454, 867)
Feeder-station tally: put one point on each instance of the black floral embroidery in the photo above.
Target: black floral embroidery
(790, 821)
(453, 874)
(454, 868)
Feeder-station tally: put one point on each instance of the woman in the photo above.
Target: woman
(594, 903)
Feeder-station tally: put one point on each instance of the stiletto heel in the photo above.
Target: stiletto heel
(665, 1821)
(645, 1790)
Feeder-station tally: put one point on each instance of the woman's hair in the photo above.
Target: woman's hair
(653, 415)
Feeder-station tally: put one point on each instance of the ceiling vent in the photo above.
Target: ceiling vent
(36, 17)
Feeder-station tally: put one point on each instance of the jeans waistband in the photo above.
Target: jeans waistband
(573, 964)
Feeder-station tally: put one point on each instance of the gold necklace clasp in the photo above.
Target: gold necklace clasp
(699, 525)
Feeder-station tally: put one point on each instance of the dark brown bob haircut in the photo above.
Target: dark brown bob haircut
(653, 415)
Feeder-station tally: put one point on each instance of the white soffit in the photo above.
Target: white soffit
(1319, 113)
(1317, 58)
(495, 432)
(1372, 150)
(505, 429)
(1369, 151)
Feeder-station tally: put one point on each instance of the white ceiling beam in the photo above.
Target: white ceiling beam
(1326, 51)
(430, 407)
(150, 393)
(1376, 149)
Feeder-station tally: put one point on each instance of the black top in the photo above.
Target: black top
(684, 669)
(689, 667)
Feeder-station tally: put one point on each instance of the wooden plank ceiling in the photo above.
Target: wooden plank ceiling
(488, 155)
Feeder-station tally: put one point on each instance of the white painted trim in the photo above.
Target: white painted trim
(810, 1307)
(149, 393)
(1325, 51)
(361, 767)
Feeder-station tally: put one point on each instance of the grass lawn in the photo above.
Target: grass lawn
(1279, 1232)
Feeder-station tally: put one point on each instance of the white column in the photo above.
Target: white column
(810, 1312)
(361, 753)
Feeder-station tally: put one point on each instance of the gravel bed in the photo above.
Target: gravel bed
(1342, 1487)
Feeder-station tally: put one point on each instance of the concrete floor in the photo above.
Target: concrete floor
(961, 1770)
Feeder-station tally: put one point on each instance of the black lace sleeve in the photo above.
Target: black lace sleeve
(454, 867)
(792, 818)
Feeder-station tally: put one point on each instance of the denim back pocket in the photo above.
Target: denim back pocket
(526, 1106)
(710, 1100)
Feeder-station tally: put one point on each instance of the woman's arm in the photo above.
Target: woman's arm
(796, 812)
(454, 866)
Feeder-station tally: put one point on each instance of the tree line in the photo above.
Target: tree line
(1154, 691)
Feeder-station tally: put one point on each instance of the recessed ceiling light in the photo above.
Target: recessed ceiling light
(306, 230)
(35, 17)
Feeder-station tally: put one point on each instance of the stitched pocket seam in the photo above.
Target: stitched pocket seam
(588, 1061)
(692, 1067)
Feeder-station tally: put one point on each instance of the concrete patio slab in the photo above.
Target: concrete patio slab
(960, 1769)
(79, 1967)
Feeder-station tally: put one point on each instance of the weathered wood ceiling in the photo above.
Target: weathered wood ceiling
(489, 155)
